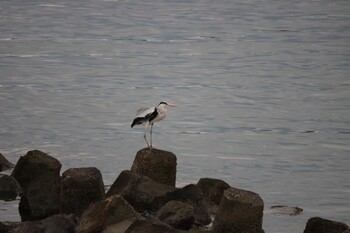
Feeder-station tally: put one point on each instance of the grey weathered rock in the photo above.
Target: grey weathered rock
(239, 211)
(143, 226)
(39, 177)
(9, 188)
(159, 165)
(4, 163)
(113, 214)
(321, 225)
(177, 214)
(143, 193)
(79, 188)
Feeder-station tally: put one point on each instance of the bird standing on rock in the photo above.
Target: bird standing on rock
(148, 116)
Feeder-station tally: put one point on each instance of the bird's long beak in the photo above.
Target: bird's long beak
(172, 105)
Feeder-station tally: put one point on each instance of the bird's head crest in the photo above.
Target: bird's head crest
(163, 102)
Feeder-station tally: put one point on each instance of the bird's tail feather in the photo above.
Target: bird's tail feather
(137, 121)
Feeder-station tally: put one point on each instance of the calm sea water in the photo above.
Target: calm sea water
(262, 88)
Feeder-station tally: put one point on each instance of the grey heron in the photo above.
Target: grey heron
(148, 116)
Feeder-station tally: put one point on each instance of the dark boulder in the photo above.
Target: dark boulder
(79, 188)
(113, 214)
(60, 223)
(39, 177)
(321, 225)
(29, 227)
(159, 165)
(143, 226)
(4, 163)
(192, 195)
(5, 228)
(239, 211)
(143, 193)
(177, 214)
(53, 224)
(212, 189)
(9, 188)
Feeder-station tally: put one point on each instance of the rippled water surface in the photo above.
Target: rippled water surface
(262, 88)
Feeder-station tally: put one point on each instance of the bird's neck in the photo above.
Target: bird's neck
(161, 110)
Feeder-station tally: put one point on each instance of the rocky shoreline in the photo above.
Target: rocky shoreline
(142, 199)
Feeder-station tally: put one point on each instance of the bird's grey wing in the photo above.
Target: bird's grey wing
(143, 112)
(143, 115)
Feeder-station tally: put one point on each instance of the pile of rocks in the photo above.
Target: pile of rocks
(142, 199)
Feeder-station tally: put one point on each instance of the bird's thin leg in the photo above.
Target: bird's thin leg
(151, 135)
(144, 136)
